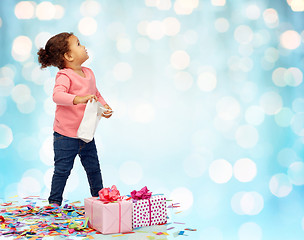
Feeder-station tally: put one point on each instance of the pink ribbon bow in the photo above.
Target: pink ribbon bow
(142, 194)
(108, 195)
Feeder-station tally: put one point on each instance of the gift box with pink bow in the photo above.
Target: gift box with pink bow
(148, 209)
(110, 213)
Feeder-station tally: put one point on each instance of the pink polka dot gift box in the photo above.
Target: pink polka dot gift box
(148, 209)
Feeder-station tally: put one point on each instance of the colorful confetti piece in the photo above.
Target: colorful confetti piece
(189, 229)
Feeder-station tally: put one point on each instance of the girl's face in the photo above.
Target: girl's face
(77, 51)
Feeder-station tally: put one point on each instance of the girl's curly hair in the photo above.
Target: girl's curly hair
(54, 51)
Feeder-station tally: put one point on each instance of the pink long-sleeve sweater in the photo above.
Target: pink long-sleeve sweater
(69, 84)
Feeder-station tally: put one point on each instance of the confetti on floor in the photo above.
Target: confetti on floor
(30, 221)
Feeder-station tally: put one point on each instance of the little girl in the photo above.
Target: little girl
(74, 87)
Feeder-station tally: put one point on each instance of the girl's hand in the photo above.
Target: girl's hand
(84, 99)
(107, 114)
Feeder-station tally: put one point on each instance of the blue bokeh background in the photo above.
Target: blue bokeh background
(207, 98)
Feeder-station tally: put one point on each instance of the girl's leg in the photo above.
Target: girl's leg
(65, 151)
(90, 162)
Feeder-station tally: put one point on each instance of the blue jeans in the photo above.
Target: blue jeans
(65, 150)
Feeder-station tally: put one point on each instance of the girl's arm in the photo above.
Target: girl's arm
(60, 92)
(103, 102)
(84, 99)
(62, 97)
(100, 98)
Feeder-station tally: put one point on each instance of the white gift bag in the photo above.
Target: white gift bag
(90, 120)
